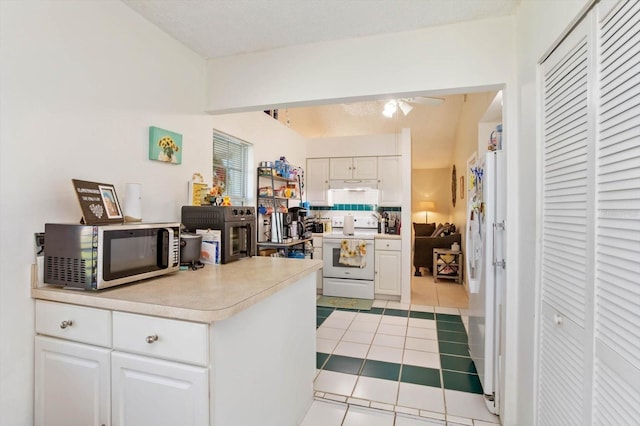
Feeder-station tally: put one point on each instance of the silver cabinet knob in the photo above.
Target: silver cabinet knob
(66, 323)
(151, 339)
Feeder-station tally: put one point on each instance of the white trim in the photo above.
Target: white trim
(574, 22)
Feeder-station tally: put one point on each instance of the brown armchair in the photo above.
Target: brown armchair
(424, 243)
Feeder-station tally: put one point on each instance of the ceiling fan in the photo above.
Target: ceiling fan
(406, 104)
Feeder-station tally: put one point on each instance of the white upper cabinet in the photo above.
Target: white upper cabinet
(389, 181)
(353, 168)
(317, 182)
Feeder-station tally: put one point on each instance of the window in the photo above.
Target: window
(230, 157)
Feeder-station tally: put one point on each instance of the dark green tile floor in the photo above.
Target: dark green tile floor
(457, 371)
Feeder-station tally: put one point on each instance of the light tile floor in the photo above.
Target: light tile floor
(443, 293)
(344, 399)
(330, 413)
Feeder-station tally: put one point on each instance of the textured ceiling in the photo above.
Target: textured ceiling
(215, 28)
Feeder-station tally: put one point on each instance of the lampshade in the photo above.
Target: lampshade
(427, 206)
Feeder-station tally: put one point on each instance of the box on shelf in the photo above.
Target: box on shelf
(265, 191)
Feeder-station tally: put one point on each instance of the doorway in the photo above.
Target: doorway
(406, 355)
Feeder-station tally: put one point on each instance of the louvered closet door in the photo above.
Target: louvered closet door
(566, 275)
(617, 295)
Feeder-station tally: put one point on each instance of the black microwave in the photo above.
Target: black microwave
(94, 257)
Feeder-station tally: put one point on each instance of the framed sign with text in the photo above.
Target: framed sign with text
(98, 201)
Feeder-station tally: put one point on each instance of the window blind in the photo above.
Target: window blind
(230, 156)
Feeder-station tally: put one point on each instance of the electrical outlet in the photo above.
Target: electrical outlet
(39, 236)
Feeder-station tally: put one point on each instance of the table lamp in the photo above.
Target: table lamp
(427, 206)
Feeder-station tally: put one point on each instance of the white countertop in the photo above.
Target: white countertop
(212, 293)
(387, 237)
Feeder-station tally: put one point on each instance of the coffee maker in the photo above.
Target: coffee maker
(286, 225)
(301, 222)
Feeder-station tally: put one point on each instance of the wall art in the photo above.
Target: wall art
(165, 145)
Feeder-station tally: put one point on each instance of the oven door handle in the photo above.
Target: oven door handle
(248, 241)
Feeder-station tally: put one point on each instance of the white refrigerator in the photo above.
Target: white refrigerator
(486, 268)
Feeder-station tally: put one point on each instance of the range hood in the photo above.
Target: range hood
(354, 184)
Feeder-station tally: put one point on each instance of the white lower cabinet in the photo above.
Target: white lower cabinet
(148, 380)
(388, 261)
(155, 371)
(154, 392)
(71, 383)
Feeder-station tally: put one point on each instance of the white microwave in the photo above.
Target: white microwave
(94, 257)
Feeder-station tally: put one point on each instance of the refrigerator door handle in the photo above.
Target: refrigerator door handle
(496, 262)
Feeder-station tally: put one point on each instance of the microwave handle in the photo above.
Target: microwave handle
(163, 243)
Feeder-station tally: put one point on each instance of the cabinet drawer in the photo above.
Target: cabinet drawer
(387, 244)
(175, 340)
(78, 323)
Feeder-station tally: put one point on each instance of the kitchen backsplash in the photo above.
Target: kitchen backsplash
(356, 203)
(356, 207)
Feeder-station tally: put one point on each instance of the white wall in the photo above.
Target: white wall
(466, 144)
(453, 56)
(356, 146)
(432, 185)
(81, 83)
(271, 139)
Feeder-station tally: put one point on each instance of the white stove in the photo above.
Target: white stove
(348, 269)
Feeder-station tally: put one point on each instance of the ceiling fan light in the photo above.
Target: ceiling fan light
(405, 107)
(389, 109)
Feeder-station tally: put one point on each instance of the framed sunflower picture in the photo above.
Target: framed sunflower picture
(165, 146)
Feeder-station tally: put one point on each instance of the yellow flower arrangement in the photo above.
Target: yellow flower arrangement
(168, 146)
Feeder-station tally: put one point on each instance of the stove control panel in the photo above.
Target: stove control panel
(363, 221)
